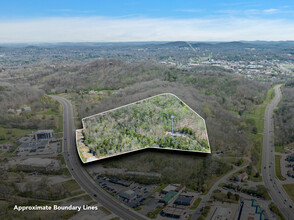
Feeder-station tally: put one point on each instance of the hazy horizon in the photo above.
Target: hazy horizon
(130, 21)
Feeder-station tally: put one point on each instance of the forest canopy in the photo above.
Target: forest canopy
(162, 121)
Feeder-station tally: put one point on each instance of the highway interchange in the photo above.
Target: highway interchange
(75, 167)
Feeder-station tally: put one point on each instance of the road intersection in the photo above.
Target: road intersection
(75, 166)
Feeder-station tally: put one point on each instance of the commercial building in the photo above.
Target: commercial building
(43, 134)
(39, 164)
(220, 213)
(129, 195)
(173, 212)
(168, 197)
(184, 200)
(172, 187)
(250, 210)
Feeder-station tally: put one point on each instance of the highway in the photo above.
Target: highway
(78, 172)
(75, 166)
(273, 185)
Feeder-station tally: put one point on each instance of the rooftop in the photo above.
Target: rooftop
(36, 162)
(173, 211)
(168, 196)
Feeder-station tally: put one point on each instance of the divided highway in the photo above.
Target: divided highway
(273, 185)
(75, 167)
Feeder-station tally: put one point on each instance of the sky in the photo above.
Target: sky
(153, 20)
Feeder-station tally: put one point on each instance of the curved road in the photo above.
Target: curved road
(75, 167)
(273, 185)
(206, 197)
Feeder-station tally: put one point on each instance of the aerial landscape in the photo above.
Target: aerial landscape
(147, 110)
(162, 121)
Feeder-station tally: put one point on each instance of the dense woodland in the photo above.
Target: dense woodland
(284, 117)
(145, 124)
(222, 98)
(16, 96)
(125, 74)
(193, 170)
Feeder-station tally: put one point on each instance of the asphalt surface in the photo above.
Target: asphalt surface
(75, 166)
(79, 173)
(273, 185)
(214, 187)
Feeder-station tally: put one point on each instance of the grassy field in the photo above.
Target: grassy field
(279, 149)
(81, 155)
(84, 197)
(278, 167)
(161, 188)
(70, 185)
(196, 204)
(106, 211)
(277, 211)
(56, 114)
(10, 135)
(289, 188)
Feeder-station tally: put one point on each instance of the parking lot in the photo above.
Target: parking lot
(130, 193)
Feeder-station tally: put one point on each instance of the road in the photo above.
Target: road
(75, 166)
(78, 172)
(273, 185)
(206, 197)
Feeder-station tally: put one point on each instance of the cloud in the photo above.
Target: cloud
(107, 29)
(189, 10)
(271, 11)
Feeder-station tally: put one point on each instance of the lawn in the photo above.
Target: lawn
(84, 197)
(196, 204)
(289, 188)
(10, 135)
(279, 149)
(106, 211)
(278, 167)
(161, 188)
(71, 185)
(277, 211)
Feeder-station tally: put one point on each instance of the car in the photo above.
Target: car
(290, 206)
(95, 195)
